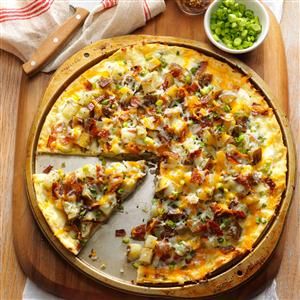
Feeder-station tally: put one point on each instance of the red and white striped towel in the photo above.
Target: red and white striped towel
(24, 24)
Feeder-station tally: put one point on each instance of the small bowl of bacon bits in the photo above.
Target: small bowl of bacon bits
(236, 26)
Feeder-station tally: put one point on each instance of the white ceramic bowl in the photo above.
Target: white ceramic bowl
(258, 9)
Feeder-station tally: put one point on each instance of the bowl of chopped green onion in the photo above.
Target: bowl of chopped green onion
(236, 26)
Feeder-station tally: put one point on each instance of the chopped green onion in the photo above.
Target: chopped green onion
(234, 25)
(188, 79)
(135, 265)
(260, 220)
(163, 63)
(159, 103)
(220, 240)
(120, 191)
(227, 108)
(171, 224)
(194, 70)
(126, 240)
(239, 139)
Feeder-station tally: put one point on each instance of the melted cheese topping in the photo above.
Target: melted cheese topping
(223, 161)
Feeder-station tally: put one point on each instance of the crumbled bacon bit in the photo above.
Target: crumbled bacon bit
(51, 139)
(57, 189)
(227, 249)
(103, 133)
(175, 70)
(100, 98)
(163, 250)
(104, 82)
(132, 148)
(76, 121)
(270, 183)
(196, 177)
(136, 70)
(205, 79)
(91, 106)
(88, 86)
(168, 81)
(245, 181)
(93, 254)
(223, 212)
(210, 227)
(214, 227)
(150, 99)
(231, 158)
(48, 169)
(260, 110)
(192, 88)
(135, 102)
(256, 156)
(195, 154)
(73, 186)
(180, 93)
(115, 183)
(138, 232)
(202, 67)
(183, 134)
(120, 233)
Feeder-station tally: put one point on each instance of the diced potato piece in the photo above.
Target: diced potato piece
(66, 148)
(106, 209)
(133, 251)
(128, 134)
(76, 132)
(97, 110)
(148, 122)
(70, 110)
(141, 131)
(172, 91)
(108, 203)
(84, 140)
(209, 138)
(72, 209)
(153, 63)
(83, 113)
(178, 125)
(85, 228)
(150, 241)
(146, 256)
(151, 82)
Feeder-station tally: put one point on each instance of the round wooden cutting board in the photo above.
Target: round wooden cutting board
(38, 259)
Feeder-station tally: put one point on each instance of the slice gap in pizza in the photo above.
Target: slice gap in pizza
(74, 204)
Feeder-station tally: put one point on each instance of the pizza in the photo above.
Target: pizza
(74, 204)
(221, 160)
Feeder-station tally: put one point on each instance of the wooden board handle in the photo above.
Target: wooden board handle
(54, 42)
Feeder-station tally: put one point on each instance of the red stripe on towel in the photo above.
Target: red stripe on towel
(146, 11)
(19, 9)
(40, 10)
(147, 7)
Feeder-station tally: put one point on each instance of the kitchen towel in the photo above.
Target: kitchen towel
(25, 24)
(33, 292)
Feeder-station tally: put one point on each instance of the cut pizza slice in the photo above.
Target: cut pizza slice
(75, 203)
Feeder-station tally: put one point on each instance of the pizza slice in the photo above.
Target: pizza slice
(75, 203)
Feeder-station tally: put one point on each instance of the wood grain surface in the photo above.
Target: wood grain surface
(12, 280)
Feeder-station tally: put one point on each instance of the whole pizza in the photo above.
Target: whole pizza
(221, 161)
